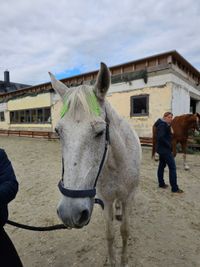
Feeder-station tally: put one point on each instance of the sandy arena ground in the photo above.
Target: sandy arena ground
(165, 228)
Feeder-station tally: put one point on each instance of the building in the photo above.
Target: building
(8, 86)
(141, 91)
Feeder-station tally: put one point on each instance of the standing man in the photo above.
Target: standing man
(8, 191)
(164, 149)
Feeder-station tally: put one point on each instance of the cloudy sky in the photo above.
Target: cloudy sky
(70, 37)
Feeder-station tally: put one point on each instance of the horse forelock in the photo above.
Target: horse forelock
(78, 102)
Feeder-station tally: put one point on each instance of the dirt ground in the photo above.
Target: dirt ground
(165, 228)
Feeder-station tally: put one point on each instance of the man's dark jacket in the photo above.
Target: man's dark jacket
(8, 186)
(163, 137)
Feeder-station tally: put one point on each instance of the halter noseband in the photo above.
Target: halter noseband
(87, 192)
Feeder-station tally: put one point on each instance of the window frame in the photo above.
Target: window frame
(135, 97)
(27, 115)
(2, 116)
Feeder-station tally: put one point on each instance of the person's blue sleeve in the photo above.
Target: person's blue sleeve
(8, 182)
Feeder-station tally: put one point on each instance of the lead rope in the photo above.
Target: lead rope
(37, 228)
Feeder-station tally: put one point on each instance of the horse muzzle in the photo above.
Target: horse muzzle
(75, 213)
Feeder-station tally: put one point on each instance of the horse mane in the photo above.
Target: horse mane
(185, 116)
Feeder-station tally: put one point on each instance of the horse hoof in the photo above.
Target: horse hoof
(186, 168)
(156, 157)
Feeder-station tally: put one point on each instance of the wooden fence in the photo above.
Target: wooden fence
(33, 134)
(145, 141)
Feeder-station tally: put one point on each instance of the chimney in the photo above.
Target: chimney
(6, 77)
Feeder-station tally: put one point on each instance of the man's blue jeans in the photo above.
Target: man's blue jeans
(167, 159)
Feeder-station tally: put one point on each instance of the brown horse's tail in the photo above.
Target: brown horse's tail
(153, 141)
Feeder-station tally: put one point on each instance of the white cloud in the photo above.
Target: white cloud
(42, 35)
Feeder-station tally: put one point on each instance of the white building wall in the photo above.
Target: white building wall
(153, 81)
(3, 106)
(180, 100)
(182, 91)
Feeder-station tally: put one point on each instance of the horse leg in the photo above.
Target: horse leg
(110, 233)
(184, 145)
(174, 143)
(118, 210)
(186, 167)
(124, 229)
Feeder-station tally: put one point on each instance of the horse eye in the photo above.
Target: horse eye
(99, 134)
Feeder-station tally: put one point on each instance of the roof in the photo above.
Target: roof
(4, 88)
(163, 59)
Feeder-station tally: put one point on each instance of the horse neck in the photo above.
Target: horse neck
(190, 123)
(182, 128)
(119, 132)
(113, 117)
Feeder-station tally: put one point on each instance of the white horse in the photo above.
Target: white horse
(100, 152)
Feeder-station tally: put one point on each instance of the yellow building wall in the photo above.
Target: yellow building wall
(38, 101)
(159, 102)
(30, 102)
(4, 124)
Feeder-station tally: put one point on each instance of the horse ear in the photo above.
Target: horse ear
(58, 86)
(103, 82)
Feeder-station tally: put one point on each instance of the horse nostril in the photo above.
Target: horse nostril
(57, 212)
(84, 217)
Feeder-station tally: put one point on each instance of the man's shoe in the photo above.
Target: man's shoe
(164, 186)
(179, 191)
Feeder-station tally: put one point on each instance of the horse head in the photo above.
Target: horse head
(82, 130)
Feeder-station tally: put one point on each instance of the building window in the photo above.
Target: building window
(28, 116)
(193, 105)
(139, 105)
(2, 116)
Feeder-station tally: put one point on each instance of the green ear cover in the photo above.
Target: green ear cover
(64, 108)
(92, 103)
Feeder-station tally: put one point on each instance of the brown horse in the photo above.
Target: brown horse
(181, 127)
